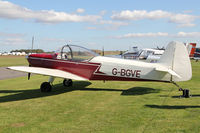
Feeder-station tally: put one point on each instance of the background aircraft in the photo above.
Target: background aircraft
(78, 63)
(191, 47)
(194, 52)
(146, 54)
(153, 55)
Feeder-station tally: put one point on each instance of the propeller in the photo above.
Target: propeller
(29, 74)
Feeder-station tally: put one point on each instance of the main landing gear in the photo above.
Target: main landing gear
(47, 87)
(67, 82)
(186, 92)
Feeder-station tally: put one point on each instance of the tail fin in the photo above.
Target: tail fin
(177, 59)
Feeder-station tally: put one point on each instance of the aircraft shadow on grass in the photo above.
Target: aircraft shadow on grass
(171, 106)
(180, 96)
(59, 89)
(190, 95)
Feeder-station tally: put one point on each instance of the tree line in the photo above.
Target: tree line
(29, 51)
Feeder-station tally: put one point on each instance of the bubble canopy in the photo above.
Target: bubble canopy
(75, 53)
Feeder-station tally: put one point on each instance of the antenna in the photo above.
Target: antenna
(103, 51)
(32, 44)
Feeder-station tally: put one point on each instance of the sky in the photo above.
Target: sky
(112, 24)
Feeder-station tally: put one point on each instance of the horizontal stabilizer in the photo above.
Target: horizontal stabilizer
(47, 71)
(167, 70)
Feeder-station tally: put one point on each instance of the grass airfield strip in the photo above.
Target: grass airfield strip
(6, 61)
(99, 107)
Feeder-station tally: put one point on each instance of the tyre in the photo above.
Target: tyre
(67, 82)
(45, 87)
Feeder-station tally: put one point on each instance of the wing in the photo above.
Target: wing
(47, 71)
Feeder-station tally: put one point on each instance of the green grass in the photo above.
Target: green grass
(6, 61)
(98, 107)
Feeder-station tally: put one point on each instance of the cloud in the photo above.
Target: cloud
(5, 34)
(91, 28)
(12, 41)
(114, 23)
(54, 40)
(188, 34)
(80, 10)
(188, 11)
(186, 25)
(180, 19)
(108, 25)
(9, 10)
(159, 34)
(103, 12)
(139, 14)
(135, 35)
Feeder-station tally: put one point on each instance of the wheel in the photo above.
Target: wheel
(45, 87)
(67, 82)
(186, 93)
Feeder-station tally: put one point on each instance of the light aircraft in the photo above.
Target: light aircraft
(194, 52)
(131, 53)
(153, 55)
(77, 63)
(150, 55)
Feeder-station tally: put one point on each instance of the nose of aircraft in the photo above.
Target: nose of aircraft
(43, 55)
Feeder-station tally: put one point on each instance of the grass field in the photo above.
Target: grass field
(122, 107)
(12, 60)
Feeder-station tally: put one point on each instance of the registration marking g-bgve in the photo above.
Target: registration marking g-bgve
(126, 72)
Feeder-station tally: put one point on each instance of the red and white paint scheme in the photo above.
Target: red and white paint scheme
(78, 63)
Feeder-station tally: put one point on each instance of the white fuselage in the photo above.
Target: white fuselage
(130, 69)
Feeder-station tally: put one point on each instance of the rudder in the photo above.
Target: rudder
(177, 59)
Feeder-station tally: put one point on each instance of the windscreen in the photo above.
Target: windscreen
(76, 53)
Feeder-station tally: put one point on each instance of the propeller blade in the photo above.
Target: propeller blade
(29, 75)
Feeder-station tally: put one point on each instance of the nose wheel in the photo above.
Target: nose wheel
(67, 82)
(45, 87)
